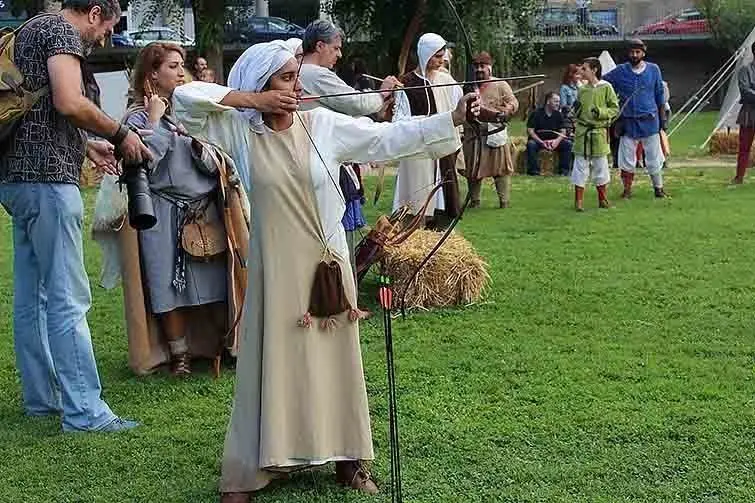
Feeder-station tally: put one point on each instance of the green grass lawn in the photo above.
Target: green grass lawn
(612, 361)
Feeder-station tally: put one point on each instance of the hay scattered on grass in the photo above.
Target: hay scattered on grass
(724, 143)
(455, 275)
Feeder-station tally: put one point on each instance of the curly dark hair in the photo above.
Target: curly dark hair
(110, 8)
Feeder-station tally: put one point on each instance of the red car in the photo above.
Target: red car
(687, 22)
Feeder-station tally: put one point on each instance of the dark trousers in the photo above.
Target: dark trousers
(746, 135)
(564, 157)
(451, 197)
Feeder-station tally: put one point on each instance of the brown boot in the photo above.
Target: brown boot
(475, 189)
(628, 178)
(236, 498)
(352, 474)
(579, 197)
(602, 199)
(503, 188)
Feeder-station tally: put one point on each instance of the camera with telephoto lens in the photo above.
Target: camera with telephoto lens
(141, 210)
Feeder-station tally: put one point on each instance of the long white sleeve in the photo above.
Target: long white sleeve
(197, 106)
(362, 140)
(402, 110)
(320, 81)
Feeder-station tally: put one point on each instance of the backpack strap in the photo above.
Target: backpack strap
(11, 38)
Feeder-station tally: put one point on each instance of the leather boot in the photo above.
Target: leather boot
(475, 188)
(353, 475)
(628, 178)
(503, 187)
(579, 196)
(236, 498)
(602, 199)
(660, 193)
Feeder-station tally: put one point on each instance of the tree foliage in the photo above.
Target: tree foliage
(502, 27)
(731, 21)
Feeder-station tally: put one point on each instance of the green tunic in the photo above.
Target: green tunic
(598, 107)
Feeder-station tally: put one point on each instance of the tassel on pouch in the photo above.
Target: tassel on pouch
(327, 298)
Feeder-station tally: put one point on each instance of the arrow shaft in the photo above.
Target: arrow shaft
(429, 86)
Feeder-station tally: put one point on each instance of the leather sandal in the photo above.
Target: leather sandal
(236, 498)
(181, 365)
(354, 475)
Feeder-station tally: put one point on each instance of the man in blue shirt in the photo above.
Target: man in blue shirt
(639, 86)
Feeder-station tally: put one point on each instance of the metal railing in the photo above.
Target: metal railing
(620, 21)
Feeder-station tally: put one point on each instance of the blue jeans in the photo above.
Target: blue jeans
(51, 298)
(564, 157)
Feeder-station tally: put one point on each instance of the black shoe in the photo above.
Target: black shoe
(660, 194)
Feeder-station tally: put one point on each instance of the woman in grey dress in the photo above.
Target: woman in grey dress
(181, 186)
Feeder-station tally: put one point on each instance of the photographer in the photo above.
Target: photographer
(39, 176)
(186, 296)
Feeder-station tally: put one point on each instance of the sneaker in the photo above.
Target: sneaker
(118, 424)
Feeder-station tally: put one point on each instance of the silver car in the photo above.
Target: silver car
(159, 34)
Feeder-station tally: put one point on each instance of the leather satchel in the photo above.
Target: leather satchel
(204, 238)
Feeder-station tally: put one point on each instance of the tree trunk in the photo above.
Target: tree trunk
(411, 32)
(209, 24)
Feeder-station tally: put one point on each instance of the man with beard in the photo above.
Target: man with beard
(39, 177)
(495, 156)
(639, 86)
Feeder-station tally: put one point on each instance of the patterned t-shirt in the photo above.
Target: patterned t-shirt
(46, 147)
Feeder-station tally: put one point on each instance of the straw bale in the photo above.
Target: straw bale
(455, 275)
(724, 142)
(547, 160)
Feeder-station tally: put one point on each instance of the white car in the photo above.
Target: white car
(159, 34)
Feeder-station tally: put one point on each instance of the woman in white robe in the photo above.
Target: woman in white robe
(416, 178)
(300, 396)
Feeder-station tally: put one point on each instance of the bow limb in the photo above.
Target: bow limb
(380, 183)
(476, 128)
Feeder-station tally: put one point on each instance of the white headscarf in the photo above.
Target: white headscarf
(294, 44)
(255, 67)
(428, 45)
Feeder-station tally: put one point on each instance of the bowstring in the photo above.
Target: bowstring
(319, 155)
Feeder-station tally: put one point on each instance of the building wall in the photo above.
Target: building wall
(684, 75)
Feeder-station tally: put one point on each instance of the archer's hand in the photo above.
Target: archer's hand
(275, 102)
(389, 84)
(469, 103)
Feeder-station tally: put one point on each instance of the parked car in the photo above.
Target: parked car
(142, 38)
(560, 22)
(122, 40)
(686, 22)
(256, 29)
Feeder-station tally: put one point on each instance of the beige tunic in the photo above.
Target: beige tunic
(498, 161)
(305, 397)
(300, 395)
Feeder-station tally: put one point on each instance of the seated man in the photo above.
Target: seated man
(546, 130)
